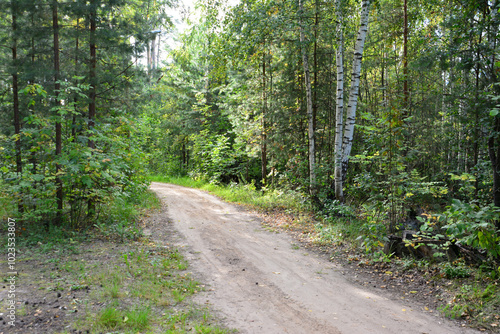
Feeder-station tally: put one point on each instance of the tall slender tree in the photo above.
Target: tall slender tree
(304, 46)
(348, 128)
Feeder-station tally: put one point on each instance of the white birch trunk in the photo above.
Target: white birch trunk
(310, 120)
(354, 91)
(339, 112)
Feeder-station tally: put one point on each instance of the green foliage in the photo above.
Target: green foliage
(96, 157)
(373, 231)
(455, 270)
(215, 158)
(474, 301)
(474, 225)
(332, 209)
(99, 174)
(395, 192)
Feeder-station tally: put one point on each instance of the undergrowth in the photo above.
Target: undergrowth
(118, 221)
(246, 194)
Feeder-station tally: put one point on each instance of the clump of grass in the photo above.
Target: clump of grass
(112, 290)
(192, 320)
(455, 270)
(337, 231)
(139, 318)
(109, 318)
(475, 301)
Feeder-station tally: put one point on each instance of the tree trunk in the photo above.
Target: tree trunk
(153, 53)
(315, 68)
(77, 46)
(346, 130)
(406, 93)
(354, 91)
(494, 141)
(310, 117)
(339, 113)
(494, 152)
(57, 87)
(15, 97)
(263, 134)
(93, 89)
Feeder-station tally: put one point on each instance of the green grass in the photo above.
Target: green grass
(139, 287)
(338, 231)
(136, 319)
(246, 194)
(125, 283)
(475, 301)
(109, 318)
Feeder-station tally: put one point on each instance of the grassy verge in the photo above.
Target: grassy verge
(108, 279)
(245, 194)
(107, 287)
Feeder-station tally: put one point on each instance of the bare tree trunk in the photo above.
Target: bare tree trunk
(309, 103)
(93, 88)
(15, 96)
(339, 113)
(346, 130)
(57, 87)
(354, 91)
(158, 50)
(148, 56)
(406, 93)
(263, 134)
(77, 46)
(495, 139)
(153, 53)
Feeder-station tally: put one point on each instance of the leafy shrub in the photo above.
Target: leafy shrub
(336, 209)
(474, 225)
(455, 270)
(374, 230)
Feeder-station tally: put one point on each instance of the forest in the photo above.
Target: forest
(384, 110)
(376, 122)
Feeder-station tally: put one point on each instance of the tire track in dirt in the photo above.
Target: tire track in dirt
(259, 284)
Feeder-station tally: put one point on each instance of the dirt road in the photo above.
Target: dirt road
(261, 283)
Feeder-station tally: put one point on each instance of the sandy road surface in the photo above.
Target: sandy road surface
(261, 284)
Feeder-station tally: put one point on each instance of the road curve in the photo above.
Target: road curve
(261, 284)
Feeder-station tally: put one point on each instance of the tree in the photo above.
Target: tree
(309, 102)
(56, 157)
(347, 128)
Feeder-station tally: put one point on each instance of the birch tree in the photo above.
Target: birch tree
(339, 112)
(346, 130)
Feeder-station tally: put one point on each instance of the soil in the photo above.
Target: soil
(48, 299)
(261, 281)
(259, 278)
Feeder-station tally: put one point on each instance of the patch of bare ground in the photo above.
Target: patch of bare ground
(103, 286)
